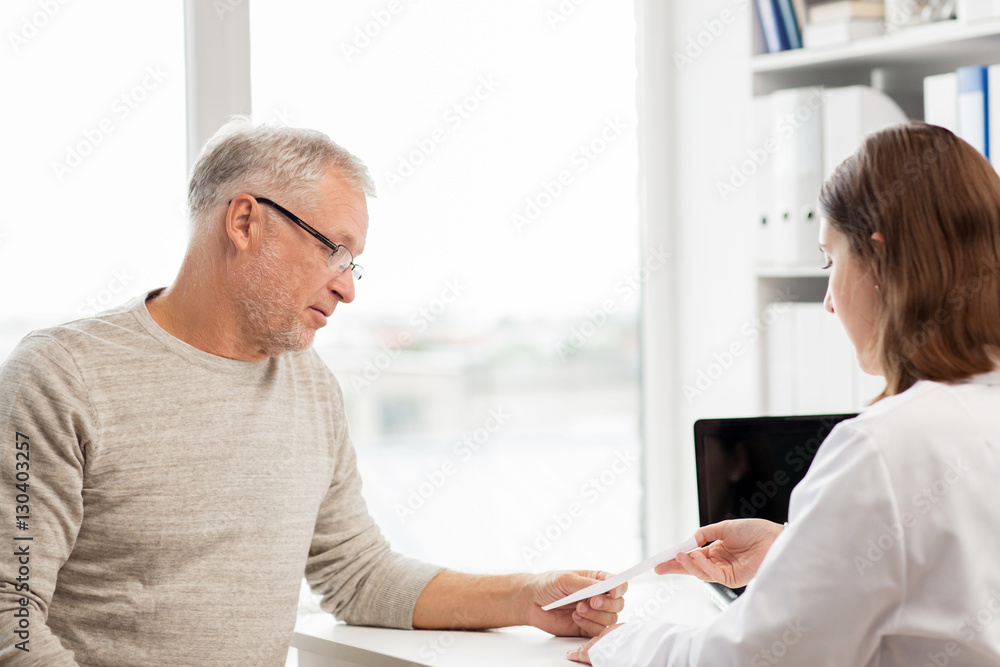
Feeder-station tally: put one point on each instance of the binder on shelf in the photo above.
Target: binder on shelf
(759, 41)
(790, 24)
(780, 359)
(972, 106)
(846, 9)
(801, 12)
(797, 174)
(775, 37)
(766, 223)
(840, 32)
(977, 10)
(807, 132)
(941, 100)
(811, 365)
(824, 359)
(993, 117)
(851, 113)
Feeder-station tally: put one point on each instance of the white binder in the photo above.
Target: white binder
(850, 114)
(941, 100)
(797, 174)
(763, 218)
(977, 10)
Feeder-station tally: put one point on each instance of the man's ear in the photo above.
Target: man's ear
(244, 222)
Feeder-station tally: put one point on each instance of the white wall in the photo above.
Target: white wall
(693, 317)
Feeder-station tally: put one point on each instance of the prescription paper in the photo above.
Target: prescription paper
(604, 586)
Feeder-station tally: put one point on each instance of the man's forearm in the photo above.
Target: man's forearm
(453, 600)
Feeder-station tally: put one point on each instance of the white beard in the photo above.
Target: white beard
(270, 320)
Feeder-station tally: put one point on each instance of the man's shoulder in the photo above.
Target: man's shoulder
(98, 334)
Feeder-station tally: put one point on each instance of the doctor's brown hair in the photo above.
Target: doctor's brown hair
(936, 201)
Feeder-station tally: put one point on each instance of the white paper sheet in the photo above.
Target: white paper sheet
(619, 579)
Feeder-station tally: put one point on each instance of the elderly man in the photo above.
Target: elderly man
(172, 467)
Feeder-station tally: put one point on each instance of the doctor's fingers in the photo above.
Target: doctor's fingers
(698, 565)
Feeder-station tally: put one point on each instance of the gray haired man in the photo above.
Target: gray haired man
(178, 463)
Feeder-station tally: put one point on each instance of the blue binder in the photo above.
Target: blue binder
(973, 111)
(775, 35)
(790, 24)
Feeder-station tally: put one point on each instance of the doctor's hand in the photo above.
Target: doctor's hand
(582, 653)
(586, 618)
(736, 551)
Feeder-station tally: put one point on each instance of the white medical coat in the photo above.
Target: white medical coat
(891, 556)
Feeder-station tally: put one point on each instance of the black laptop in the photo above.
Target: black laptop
(747, 468)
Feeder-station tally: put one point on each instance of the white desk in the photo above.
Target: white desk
(323, 642)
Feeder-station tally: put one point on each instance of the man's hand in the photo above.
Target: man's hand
(587, 618)
(736, 551)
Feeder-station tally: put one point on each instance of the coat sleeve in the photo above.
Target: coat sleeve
(827, 589)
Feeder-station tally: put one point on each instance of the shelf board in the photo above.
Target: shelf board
(804, 271)
(928, 49)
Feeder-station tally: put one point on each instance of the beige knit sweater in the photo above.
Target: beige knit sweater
(174, 500)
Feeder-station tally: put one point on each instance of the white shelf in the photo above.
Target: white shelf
(908, 54)
(896, 64)
(805, 271)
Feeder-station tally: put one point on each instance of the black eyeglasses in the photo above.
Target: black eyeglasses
(340, 258)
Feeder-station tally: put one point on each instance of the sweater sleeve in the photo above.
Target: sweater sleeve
(351, 564)
(46, 421)
(817, 582)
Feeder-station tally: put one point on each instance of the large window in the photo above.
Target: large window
(93, 165)
(490, 362)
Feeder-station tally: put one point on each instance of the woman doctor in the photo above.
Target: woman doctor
(891, 555)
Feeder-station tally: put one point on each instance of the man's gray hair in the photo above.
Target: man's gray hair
(268, 161)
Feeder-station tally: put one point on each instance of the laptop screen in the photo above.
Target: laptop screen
(747, 467)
